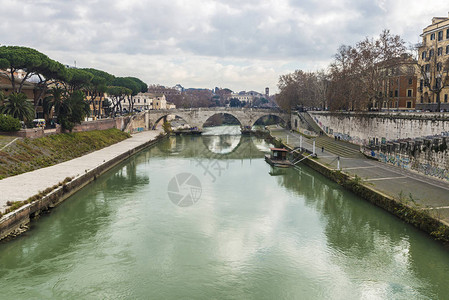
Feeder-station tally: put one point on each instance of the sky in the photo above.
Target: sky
(237, 44)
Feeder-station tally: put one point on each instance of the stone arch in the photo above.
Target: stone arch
(165, 115)
(223, 113)
(270, 114)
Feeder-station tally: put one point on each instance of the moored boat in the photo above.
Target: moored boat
(278, 158)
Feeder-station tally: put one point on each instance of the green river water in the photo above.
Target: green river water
(205, 217)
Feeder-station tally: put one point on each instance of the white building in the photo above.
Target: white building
(147, 101)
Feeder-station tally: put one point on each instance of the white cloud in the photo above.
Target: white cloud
(203, 43)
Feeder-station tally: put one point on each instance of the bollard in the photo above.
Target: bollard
(313, 148)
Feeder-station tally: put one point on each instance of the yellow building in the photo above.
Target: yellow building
(433, 80)
(97, 100)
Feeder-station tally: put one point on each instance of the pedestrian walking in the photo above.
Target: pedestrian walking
(322, 149)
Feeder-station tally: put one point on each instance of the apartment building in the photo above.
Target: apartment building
(433, 80)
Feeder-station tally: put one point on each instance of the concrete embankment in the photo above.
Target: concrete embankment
(422, 217)
(47, 187)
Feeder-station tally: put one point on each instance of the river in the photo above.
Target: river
(205, 217)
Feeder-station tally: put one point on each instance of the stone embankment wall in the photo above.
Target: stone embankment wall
(427, 156)
(300, 124)
(364, 127)
(137, 123)
(32, 133)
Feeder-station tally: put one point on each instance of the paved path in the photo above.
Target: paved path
(23, 186)
(428, 192)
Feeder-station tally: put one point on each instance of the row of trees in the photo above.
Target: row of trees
(358, 77)
(66, 92)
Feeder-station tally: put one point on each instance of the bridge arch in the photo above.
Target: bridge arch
(153, 125)
(222, 114)
(277, 116)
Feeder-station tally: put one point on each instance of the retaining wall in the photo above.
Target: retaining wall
(103, 124)
(363, 127)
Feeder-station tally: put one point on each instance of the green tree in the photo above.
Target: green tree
(53, 73)
(9, 123)
(18, 106)
(75, 110)
(2, 98)
(78, 79)
(234, 102)
(56, 100)
(142, 85)
(131, 83)
(117, 95)
(97, 87)
(31, 61)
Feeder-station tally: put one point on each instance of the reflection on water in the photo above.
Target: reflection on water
(255, 233)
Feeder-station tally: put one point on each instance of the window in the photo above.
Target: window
(431, 52)
(409, 93)
(423, 55)
(409, 104)
(445, 98)
(439, 66)
(396, 104)
(447, 49)
(391, 94)
(440, 35)
(447, 34)
(396, 93)
(440, 51)
(427, 68)
(421, 85)
(432, 36)
(410, 81)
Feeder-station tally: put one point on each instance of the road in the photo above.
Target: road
(427, 192)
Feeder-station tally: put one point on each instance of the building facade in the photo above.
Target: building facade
(400, 84)
(147, 101)
(433, 81)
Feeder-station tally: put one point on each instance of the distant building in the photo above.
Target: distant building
(29, 89)
(159, 102)
(399, 84)
(267, 92)
(433, 55)
(242, 97)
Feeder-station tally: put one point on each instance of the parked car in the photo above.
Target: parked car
(39, 123)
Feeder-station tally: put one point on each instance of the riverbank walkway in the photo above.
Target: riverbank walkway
(23, 186)
(427, 192)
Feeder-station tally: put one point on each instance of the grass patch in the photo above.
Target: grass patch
(30, 154)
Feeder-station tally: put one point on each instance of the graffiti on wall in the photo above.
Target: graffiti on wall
(396, 160)
(433, 171)
(406, 163)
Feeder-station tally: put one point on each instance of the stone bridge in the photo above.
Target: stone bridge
(196, 117)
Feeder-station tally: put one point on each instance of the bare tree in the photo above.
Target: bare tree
(359, 73)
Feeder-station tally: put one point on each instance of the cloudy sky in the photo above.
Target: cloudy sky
(239, 44)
